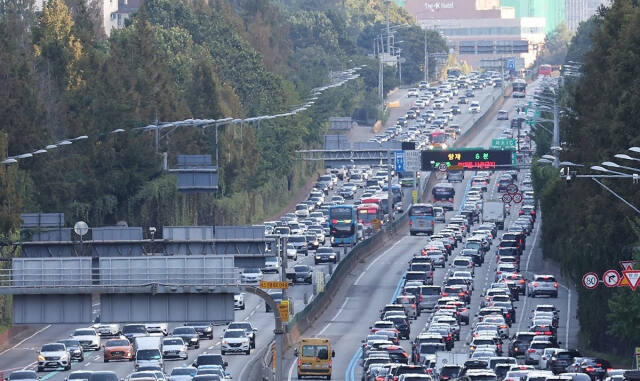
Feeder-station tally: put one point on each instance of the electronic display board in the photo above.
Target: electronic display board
(468, 160)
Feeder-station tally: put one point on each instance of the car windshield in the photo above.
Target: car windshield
(294, 238)
(172, 342)
(103, 376)
(184, 331)
(84, 332)
(23, 376)
(79, 375)
(53, 347)
(234, 334)
(138, 328)
(250, 271)
(148, 354)
(245, 326)
(183, 371)
(117, 343)
(301, 269)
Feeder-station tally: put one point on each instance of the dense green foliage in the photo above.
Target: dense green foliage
(585, 227)
(555, 46)
(62, 77)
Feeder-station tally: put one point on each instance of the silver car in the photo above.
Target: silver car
(533, 355)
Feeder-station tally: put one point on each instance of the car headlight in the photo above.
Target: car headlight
(332, 256)
(194, 339)
(77, 351)
(40, 358)
(318, 257)
(208, 329)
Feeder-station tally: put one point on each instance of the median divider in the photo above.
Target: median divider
(305, 319)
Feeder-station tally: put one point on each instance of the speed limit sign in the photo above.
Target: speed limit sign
(506, 198)
(517, 197)
(512, 188)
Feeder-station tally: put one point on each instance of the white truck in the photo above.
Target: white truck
(494, 211)
(148, 351)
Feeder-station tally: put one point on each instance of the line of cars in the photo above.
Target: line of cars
(148, 346)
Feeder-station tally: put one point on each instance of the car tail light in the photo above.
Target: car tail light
(521, 212)
(531, 351)
(536, 284)
(413, 305)
(609, 369)
(405, 354)
(502, 326)
(410, 223)
(420, 298)
(334, 221)
(590, 369)
(299, 362)
(508, 315)
(445, 294)
(521, 281)
(461, 294)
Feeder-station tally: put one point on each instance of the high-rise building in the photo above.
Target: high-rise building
(578, 11)
(481, 30)
(551, 10)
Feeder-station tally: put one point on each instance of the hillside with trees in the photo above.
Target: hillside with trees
(174, 60)
(587, 229)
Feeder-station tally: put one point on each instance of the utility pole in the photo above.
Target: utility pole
(426, 59)
(381, 74)
(390, 165)
(387, 2)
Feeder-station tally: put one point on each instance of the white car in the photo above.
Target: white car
(182, 373)
(292, 253)
(474, 107)
(88, 338)
(238, 301)
(235, 340)
(174, 347)
(107, 329)
(251, 275)
(412, 93)
(54, 355)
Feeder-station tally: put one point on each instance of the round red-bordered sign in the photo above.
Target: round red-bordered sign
(611, 278)
(590, 281)
(512, 188)
(506, 198)
(442, 167)
(517, 198)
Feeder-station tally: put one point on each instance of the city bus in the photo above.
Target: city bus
(406, 179)
(438, 140)
(367, 213)
(443, 195)
(343, 225)
(544, 70)
(421, 219)
(519, 85)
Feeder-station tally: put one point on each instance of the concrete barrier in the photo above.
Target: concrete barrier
(304, 319)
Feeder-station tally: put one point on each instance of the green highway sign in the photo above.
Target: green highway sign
(503, 143)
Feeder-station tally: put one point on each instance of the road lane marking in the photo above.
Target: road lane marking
(23, 340)
(334, 317)
(376, 260)
(87, 364)
(526, 268)
(293, 364)
(568, 324)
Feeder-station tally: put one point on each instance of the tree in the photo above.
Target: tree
(555, 46)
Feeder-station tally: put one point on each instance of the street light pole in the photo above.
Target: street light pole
(426, 59)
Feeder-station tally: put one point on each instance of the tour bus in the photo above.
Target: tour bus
(443, 194)
(421, 219)
(343, 225)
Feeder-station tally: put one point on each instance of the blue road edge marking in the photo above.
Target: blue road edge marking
(351, 368)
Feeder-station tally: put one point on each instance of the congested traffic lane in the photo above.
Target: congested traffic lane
(369, 288)
(374, 284)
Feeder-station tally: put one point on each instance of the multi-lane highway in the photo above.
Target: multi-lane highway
(345, 323)
(377, 282)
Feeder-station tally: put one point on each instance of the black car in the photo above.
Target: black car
(559, 362)
(74, 348)
(450, 372)
(277, 297)
(204, 329)
(325, 255)
(596, 368)
(210, 359)
(402, 325)
(189, 335)
(520, 343)
(302, 274)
